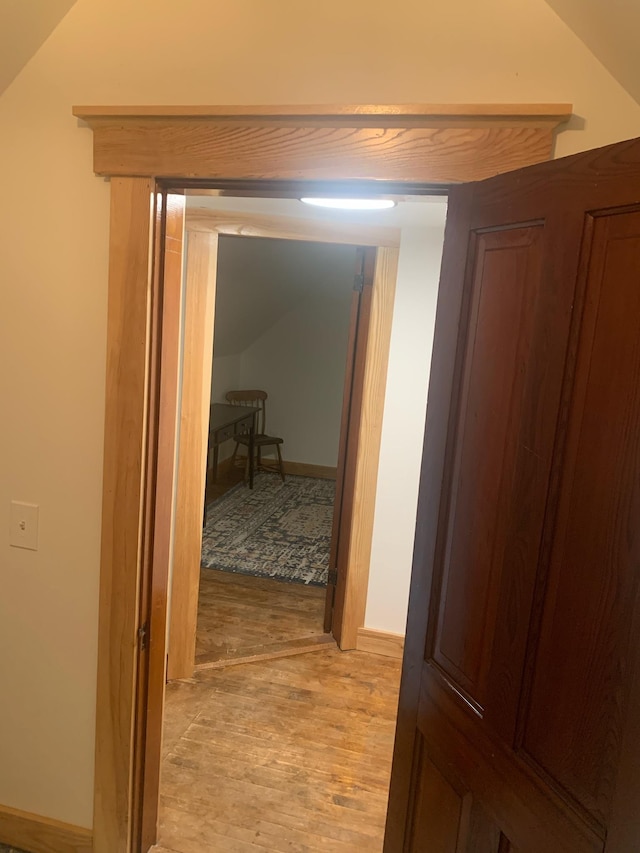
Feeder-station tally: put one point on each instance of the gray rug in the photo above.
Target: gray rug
(275, 530)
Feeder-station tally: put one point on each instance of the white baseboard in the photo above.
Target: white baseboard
(380, 642)
(37, 834)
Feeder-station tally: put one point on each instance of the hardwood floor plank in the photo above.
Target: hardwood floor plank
(280, 754)
(236, 613)
(272, 825)
(206, 755)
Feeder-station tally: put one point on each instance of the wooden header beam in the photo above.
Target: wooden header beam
(423, 143)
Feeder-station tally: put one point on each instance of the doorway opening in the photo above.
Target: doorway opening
(288, 318)
(280, 353)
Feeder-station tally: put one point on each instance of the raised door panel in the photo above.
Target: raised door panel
(437, 812)
(446, 818)
(506, 278)
(508, 404)
(583, 646)
(479, 833)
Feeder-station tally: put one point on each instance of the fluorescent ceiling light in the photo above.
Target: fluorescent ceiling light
(351, 203)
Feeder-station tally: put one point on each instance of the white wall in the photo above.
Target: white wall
(405, 408)
(297, 357)
(301, 361)
(53, 271)
(225, 376)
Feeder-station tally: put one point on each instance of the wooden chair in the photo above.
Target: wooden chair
(260, 439)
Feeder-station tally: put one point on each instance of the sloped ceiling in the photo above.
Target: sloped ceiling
(609, 28)
(611, 31)
(260, 280)
(24, 26)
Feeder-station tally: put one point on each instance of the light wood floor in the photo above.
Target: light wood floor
(281, 754)
(240, 617)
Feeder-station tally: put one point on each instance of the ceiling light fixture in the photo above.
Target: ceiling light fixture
(351, 203)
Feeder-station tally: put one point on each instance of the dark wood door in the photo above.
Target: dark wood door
(349, 433)
(519, 719)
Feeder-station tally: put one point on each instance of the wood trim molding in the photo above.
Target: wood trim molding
(123, 507)
(241, 224)
(160, 478)
(304, 469)
(364, 498)
(37, 834)
(199, 310)
(380, 643)
(554, 113)
(419, 142)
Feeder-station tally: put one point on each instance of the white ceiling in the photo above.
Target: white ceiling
(24, 26)
(425, 211)
(611, 31)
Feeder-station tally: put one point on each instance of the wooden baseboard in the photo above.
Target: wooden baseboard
(380, 642)
(302, 469)
(224, 466)
(42, 834)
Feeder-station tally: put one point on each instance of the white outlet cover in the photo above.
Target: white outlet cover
(23, 531)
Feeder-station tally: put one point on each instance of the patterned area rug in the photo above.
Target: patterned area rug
(275, 530)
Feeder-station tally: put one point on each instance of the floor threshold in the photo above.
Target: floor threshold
(285, 649)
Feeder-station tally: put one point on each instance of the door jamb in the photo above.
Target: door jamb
(352, 587)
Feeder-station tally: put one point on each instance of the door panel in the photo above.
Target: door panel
(447, 819)
(348, 429)
(582, 658)
(349, 432)
(478, 832)
(438, 809)
(501, 345)
(517, 726)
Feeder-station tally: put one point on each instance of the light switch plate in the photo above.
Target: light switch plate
(24, 526)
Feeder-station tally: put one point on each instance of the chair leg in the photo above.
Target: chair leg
(234, 454)
(280, 462)
(259, 452)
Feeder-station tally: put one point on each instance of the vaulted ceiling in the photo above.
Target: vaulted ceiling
(24, 26)
(259, 281)
(610, 29)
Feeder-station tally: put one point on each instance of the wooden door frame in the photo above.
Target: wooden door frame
(203, 227)
(411, 147)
